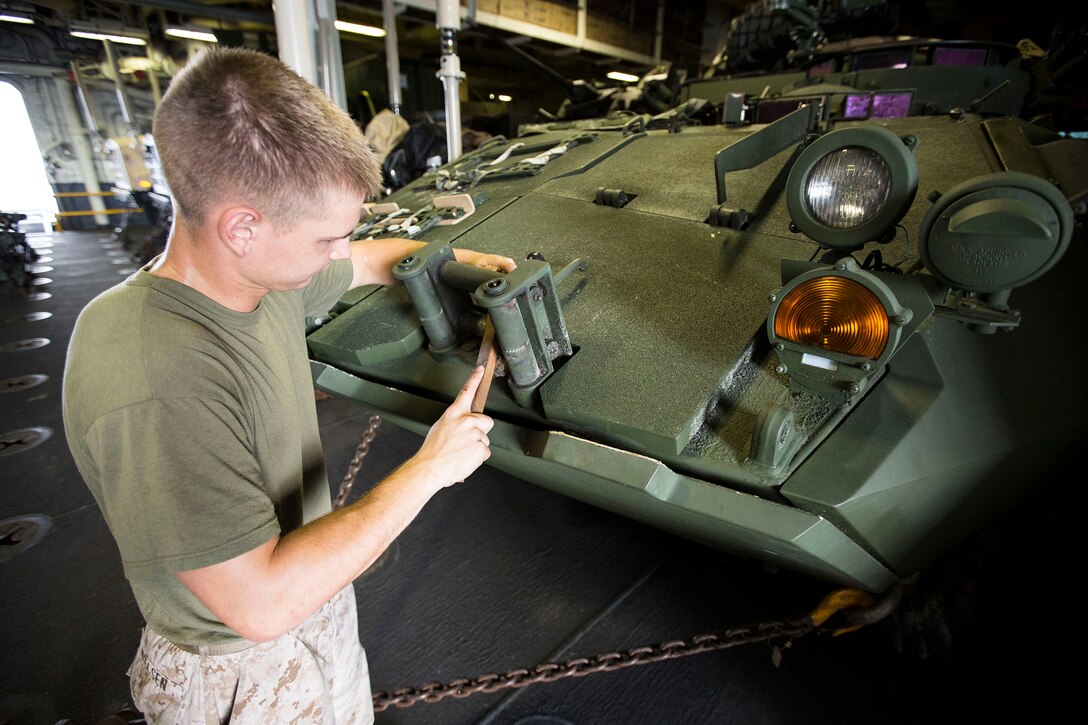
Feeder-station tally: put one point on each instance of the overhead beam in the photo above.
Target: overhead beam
(220, 12)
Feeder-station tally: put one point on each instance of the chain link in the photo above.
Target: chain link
(582, 666)
(609, 661)
(357, 461)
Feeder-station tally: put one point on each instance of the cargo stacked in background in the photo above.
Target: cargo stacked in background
(636, 34)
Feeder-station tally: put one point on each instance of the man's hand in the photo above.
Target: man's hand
(486, 261)
(457, 444)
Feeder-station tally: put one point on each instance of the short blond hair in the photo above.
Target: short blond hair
(239, 124)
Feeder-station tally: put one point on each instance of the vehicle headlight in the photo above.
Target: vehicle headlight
(851, 186)
(847, 187)
(834, 313)
(834, 327)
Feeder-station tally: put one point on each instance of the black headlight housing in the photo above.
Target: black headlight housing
(852, 186)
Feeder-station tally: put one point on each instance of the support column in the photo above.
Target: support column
(330, 63)
(295, 37)
(82, 149)
(659, 31)
(448, 20)
(392, 55)
(309, 43)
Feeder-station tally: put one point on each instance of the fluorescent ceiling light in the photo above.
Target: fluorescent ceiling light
(16, 18)
(191, 34)
(625, 77)
(123, 39)
(112, 33)
(360, 29)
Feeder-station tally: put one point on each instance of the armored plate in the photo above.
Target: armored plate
(687, 400)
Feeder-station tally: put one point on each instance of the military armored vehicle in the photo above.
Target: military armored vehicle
(822, 318)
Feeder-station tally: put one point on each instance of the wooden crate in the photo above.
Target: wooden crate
(514, 9)
(604, 30)
(553, 15)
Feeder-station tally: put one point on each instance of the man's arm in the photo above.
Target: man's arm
(267, 591)
(373, 260)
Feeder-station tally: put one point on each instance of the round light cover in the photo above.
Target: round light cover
(847, 187)
(851, 186)
(996, 232)
(834, 313)
(834, 328)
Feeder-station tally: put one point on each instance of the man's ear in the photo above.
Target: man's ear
(238, 227)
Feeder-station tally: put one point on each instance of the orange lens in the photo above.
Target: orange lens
(835, 313)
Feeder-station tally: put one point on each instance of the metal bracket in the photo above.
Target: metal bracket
(724, 216)
(462, 207)
(774, 438)
(764, 144)
(387, 207)
(613, 197)
(523, 305)
(984, 313)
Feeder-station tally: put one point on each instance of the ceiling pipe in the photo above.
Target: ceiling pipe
(36, 70)
(219, 12)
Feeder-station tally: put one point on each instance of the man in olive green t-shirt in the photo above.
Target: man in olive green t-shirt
(190, 412)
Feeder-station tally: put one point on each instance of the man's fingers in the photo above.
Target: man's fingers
(496, 263)
(464, 398)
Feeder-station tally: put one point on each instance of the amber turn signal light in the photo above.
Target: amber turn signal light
(834, 313)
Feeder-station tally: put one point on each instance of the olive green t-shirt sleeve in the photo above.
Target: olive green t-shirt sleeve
(180, 483)
(327, 287)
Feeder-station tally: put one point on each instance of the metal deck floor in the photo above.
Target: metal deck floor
(497, 574)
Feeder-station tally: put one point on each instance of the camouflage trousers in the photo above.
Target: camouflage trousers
(316, 673)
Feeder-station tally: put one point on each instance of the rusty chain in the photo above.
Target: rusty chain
(357, 461)
(789, 630)
(582, 666)
(853, 604)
